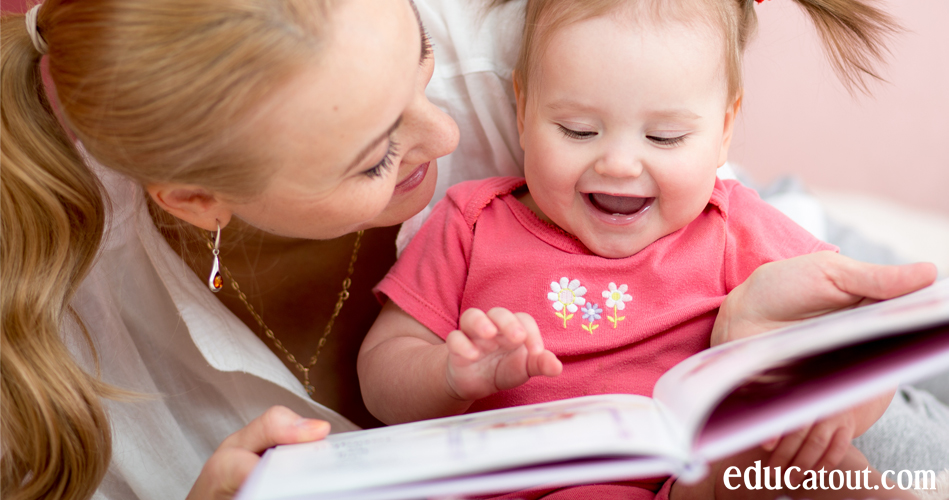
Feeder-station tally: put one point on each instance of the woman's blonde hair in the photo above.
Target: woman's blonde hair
(160, 90)
(853, 31)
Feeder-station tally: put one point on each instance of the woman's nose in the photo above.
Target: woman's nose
(432, 133)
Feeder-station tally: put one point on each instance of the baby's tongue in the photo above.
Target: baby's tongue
(617, 205)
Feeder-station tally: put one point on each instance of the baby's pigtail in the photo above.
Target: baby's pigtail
(854, 34)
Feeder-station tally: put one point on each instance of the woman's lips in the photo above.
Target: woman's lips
(615, 209)
(413, 180)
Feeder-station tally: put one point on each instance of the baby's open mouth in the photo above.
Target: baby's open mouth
(617, 205)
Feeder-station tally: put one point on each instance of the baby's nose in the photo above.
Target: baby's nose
(619, 164)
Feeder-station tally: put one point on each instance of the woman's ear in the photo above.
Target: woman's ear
(730, 114)
(519, 97)
(192, 204)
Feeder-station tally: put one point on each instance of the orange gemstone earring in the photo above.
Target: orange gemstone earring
(215, 282)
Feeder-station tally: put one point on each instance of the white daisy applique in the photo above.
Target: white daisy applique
(616, 297)
(566, 296)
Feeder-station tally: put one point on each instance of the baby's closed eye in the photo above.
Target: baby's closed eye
(577, 134)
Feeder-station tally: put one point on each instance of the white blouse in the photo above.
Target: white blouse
(158, 330)
(475, 50)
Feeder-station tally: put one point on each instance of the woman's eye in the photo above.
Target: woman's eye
(384, 165)
(666, 141)
(576, 134)
(426, 46)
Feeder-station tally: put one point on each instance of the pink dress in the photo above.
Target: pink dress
(616, 324)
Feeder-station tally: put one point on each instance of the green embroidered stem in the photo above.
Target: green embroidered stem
(615, 318)
(565, 317)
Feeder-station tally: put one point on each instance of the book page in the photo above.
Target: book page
(788, 396)
(593, 427)
(693, 388)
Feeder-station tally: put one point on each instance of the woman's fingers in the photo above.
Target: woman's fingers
(881, 282)
(813, 448)
(225, 472)
(771, 444)
(787, 448)
(783, 292)
(825, 281)
(836, 450)
(278, 425)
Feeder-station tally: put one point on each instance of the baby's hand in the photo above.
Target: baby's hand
(822, 444)
(495, 351)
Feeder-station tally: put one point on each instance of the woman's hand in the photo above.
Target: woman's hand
(781, 293)
(822, 444)
(495, 350)
(232, 462)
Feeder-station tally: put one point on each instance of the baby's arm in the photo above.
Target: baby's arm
(407, 373)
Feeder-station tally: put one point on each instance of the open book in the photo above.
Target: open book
(709, 406)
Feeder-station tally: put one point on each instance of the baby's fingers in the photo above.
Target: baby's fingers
(539, 360)
(476, 324)
(511, 333)
(460, 346)
(533, 340)
(546, 364)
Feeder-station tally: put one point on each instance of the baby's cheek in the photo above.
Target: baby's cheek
(681, 208)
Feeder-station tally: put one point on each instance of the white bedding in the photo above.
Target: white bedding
(913, 234)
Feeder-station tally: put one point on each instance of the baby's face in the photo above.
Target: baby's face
(623, 128)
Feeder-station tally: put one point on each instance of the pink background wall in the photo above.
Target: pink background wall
(798, 119)
(14, 5)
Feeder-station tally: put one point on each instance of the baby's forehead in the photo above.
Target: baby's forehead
(545, 20)
(696, 18)
(701, 17)
(554, 15)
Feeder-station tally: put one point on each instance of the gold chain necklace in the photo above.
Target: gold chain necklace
(343, 295)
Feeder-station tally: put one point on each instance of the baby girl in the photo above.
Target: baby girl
(619, 244)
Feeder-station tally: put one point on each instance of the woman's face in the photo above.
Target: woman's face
(354, 137)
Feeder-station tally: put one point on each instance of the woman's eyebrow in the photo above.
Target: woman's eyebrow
(421, 30)
(372, 145)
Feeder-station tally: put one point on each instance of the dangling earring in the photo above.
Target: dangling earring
(215, 282)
